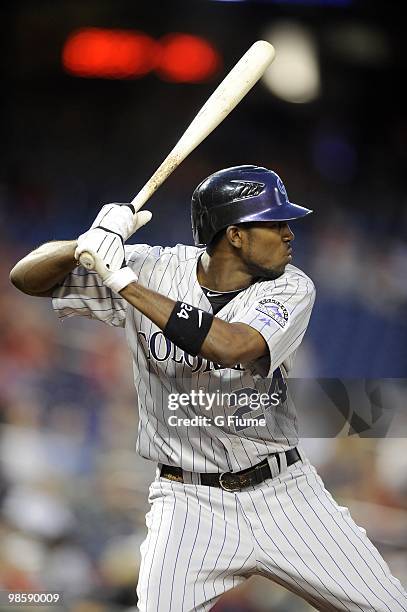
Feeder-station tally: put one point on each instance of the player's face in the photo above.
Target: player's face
(266, 248)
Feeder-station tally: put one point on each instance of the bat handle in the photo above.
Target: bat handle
(87, 261)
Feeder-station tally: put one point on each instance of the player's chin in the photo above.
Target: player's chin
(272, 273)
(280, 269)
(286, 259)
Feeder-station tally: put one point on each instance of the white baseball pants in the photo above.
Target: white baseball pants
(202, 541)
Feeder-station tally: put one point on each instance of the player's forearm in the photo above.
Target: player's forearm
(226, 343)
(155, 306)
(44, 268)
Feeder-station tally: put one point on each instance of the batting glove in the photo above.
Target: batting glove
(107, 245)
(116, 281)
(107, 250)
(121, 219)
(111, 228)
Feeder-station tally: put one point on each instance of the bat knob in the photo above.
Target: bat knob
(87, 261)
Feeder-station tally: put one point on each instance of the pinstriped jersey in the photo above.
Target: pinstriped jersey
(194, 413)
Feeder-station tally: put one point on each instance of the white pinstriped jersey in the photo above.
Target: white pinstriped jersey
(279, 310)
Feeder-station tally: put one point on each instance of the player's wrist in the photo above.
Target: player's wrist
(188, 327)
(117, 281)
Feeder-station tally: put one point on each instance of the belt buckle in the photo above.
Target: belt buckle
(230, 489)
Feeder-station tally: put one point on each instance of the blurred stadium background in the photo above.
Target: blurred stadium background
(84, 124)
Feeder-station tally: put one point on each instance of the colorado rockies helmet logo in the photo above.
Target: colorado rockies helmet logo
(246, 189)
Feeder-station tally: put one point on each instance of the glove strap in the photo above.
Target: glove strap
(116, 281)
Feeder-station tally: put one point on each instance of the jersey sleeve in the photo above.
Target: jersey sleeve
(280, 313)
(83, 294)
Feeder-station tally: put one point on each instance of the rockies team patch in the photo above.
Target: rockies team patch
(275, 310)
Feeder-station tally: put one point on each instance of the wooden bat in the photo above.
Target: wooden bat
(238, 82)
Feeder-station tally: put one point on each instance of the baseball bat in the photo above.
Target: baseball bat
(237, 83)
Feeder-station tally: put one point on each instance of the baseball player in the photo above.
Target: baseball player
(213, 330)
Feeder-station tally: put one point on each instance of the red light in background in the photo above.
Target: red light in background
(187, 59)
(114, 54)
(123, 54)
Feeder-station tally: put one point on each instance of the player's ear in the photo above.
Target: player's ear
(234, 235)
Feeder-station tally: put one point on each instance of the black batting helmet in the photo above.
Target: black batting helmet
(241, 194)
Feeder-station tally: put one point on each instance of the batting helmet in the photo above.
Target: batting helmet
(241, 194)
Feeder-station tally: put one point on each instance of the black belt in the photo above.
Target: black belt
(234, 481)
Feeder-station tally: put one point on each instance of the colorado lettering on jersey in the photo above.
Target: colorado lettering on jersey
(159, 348)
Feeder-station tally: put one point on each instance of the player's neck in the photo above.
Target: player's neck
(219, 273)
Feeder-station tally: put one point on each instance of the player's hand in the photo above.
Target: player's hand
(107, 234)
(121, 219)
(106, 245)
(107, 250)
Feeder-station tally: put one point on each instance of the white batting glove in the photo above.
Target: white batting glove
(106, 245)
(121, 219)
(116, 281)
(107, 251)
(107, 234)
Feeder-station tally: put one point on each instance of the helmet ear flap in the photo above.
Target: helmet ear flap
(204, 222)
(200, 219)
